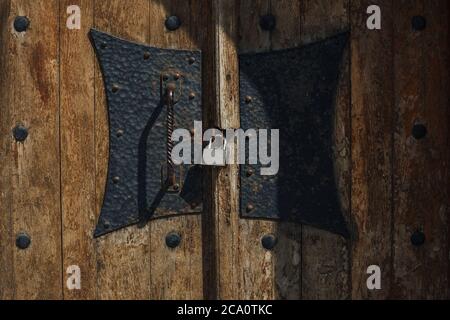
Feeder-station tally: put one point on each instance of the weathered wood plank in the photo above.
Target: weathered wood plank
(7, 66)
(78, 149)
(420, 166)
(29, 91)
(123, 257)
(372, 126)
(220, 229)
(325, 256)
(177, 273)
(257, 264)
(243, 269)
(287, 254)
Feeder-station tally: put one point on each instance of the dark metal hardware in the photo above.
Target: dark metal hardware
(23, 241)
(173, 23)
(150, 100)
(418, 238)
(269, 242)
(268, 22)
(173, 240)
(21, 23)
(293, 90)
(20, 133)
(419, 131)
(419, 23)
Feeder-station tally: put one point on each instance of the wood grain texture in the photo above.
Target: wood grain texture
(221, 218)
(421, 166)
(326, 256)
(78, 149)
(7, 66)
(123, 257)
(177, 273)
(372, 154)
(30, 170)
(243, 269)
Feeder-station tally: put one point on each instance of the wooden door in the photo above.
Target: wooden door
(390, 151)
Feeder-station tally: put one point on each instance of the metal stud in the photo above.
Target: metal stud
(419, 23)
(146, 55)
(120, 133)
(194, 205)
(250, 207)
(268, 241)
(20, 133)
(115, 88)
(116, 180)
(21, 23)
(248, 99)
(268, 22)
(173, 23)
(192, 96)
(173, 240)
(418, 238)
(419, 131)
(23, 241)
(250, 172)
(191, 60)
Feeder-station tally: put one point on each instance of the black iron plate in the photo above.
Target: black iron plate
(294, 91)
(137, 141)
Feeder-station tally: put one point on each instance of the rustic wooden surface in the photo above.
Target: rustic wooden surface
(30, 171)
(51, 186)
(77, 114)
(421, 166)
(371, 145)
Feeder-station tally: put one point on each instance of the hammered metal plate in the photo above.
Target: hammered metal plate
(137, 140)
(294, 91)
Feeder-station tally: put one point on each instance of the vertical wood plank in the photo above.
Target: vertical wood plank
(258, 264)
(372, 127)
(220, 228)
(78, 149)
(123, 257)
(244, 270)
(177, 273)
(421, 167)
(29, 91)
(7, 66)
(325, 256)
(287, 254)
